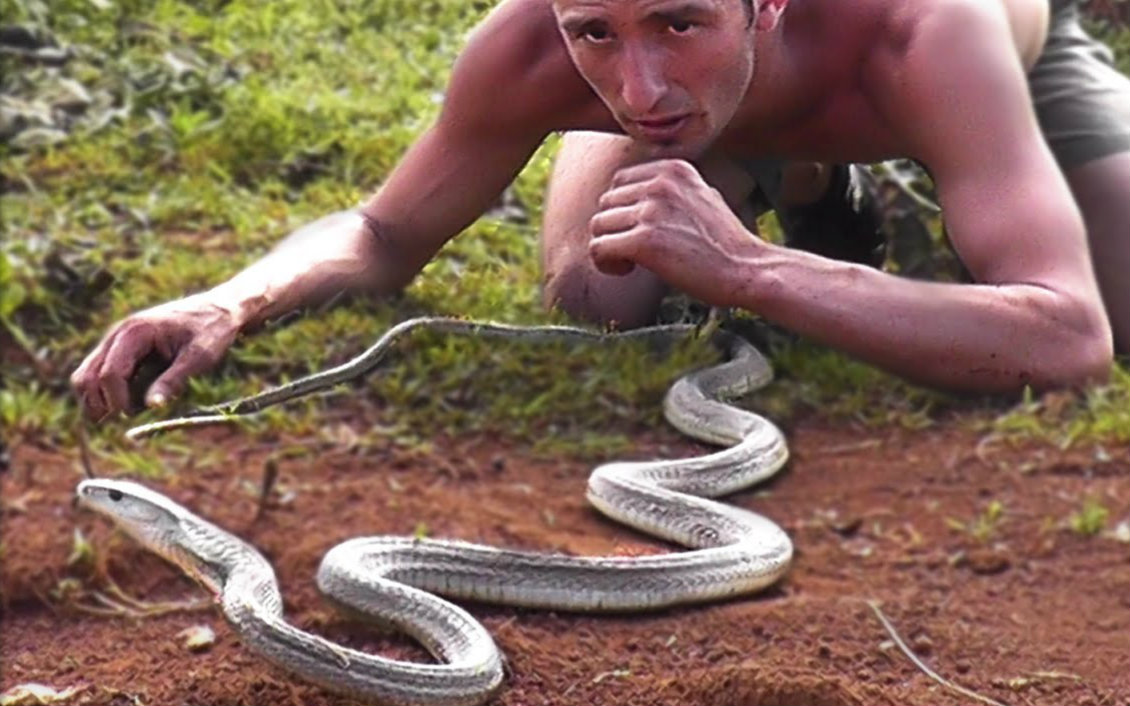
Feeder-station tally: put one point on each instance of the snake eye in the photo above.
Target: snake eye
(115, 495)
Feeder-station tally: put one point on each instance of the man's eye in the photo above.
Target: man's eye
(594, 35)
(680, 26)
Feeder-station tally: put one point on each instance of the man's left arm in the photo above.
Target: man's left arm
(1035, 315)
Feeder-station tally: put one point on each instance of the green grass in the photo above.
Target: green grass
(1090, 519)
(26, 408)
(218, 127)
(1063, 418)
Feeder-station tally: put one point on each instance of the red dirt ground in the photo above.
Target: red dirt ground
(1032, 613)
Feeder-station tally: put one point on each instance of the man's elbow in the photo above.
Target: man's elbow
(1095, 359)
(388, 263)
(1083, 358)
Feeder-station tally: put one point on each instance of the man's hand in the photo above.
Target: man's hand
(192, 334)
(664, 216)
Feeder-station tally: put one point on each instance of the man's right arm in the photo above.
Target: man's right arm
(192, 334)
(448, 178)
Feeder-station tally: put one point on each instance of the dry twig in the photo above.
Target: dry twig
(270, 475)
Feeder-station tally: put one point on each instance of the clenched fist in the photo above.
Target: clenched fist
(664, 216)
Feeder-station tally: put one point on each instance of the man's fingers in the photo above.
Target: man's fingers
(676, 169)
(648, 171)
(84, 380)
(128, 347)
(614, 220)
(190, 361)
(625, 195)
(93, 362)
(89, 398)
(613, 232)
(614, 254)
(94, 406)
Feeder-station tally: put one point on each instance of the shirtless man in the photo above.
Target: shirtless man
(671, 106)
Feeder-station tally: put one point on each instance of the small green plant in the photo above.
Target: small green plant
(1100, 412)
(82, 551)
(1090, 519)
(984, 525)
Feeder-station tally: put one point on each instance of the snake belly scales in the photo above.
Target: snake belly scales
(732, 550)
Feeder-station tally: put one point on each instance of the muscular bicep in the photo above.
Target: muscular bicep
(445, 181)
(476, 147)
(963, 103)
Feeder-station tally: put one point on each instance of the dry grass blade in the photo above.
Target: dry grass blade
(115, 602)
(957, 688)
(84, 449)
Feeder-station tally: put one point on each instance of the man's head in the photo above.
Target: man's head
(673, 72)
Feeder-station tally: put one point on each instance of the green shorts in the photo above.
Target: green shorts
(1081, 100)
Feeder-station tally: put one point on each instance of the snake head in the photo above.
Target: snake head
(131, 506)
(149, 518)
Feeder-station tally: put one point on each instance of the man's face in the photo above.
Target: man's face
(673, 72)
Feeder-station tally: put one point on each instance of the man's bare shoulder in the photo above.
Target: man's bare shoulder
(906, 30)
(947, 61)
(1020, 24)
(515, 67)
(835, 85)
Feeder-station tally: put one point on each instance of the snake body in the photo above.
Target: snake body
(733, 551)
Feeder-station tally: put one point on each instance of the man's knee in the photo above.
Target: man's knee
(577, 288)
(567, 288)
(583, 170)
(1099, 188)
(563, 289)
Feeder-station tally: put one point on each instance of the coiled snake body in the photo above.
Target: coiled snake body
(734, 550)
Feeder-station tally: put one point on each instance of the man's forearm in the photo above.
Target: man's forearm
(959, 336)
(337, 253)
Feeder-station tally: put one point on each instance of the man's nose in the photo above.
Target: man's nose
(642, 82)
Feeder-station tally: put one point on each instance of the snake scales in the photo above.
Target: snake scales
(734, 550)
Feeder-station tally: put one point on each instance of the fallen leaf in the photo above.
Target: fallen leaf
(32, 693)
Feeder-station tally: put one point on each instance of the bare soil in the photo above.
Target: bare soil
(1027, 611)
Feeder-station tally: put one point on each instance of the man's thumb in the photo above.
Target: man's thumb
(171, 383)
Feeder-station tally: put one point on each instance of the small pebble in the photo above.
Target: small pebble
(988, 560)
(198, 638)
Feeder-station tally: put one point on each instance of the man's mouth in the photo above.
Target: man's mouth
(661, 129)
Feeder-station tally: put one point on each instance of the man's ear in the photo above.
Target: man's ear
(769, 13)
